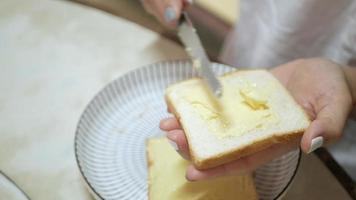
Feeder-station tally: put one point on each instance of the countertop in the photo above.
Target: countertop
(54, 57)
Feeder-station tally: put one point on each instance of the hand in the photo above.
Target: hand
(318, 85)
(350, 73)
(166, 11)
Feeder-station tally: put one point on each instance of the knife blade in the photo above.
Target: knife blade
(189, 37)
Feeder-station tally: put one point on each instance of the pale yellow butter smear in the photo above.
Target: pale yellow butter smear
(242, 108)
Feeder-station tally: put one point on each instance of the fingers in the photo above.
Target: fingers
(193, 174)
(176, 136)
(329, 122)
(172, 11)
(313, 137)
(242, 165)
(179, 142)
(166, 11)
(147, 5)
(169, 124)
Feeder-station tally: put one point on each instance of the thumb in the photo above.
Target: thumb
(327, 126)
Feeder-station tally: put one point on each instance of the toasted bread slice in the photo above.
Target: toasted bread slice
(167, 178)
(254, 112)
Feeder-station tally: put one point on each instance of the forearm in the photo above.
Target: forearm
(350, 73)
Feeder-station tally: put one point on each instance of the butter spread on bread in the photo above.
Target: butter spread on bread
(254, 112)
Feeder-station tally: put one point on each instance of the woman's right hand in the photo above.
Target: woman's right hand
(166, 11)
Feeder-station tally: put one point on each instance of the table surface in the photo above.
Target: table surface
(54, 57)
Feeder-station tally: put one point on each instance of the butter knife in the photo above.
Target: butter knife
(194, 48)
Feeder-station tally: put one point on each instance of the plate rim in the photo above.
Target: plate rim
(104, 88)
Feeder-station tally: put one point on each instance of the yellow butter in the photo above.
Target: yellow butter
(242, 108)
(167, 179)
(253, 98)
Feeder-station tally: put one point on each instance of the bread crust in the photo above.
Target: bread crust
(234, 154)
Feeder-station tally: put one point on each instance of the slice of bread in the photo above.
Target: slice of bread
(254, 112)
(166, 178)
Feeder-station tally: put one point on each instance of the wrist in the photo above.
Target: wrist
(350, 74)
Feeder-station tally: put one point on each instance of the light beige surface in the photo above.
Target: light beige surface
(54, 57)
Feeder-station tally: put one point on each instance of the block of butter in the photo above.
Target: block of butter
(166, 178)
(254, 112)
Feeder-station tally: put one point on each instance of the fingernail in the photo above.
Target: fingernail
(193, 174)
(190, 173)
(189, 1)
(174, 145)
(316, 143)
(170, 14)
(189, 178)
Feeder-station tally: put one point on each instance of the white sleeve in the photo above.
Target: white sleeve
(278, 31)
